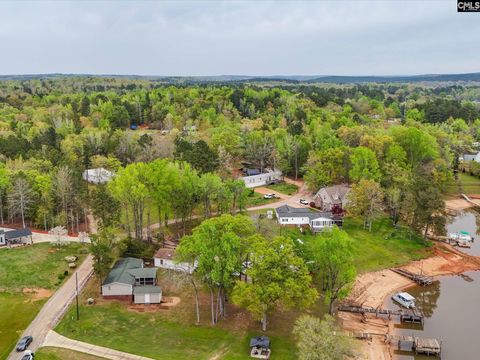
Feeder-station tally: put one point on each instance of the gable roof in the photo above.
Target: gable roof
(336, 193)
(290, 211)
(260, 341)
(125, 270)
(147, 289)
(15, 234)
(165, 253)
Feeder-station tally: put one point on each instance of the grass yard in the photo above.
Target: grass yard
(28, 275)
(172, 334)
(257, 199)
(469, 184)
(284, 188)
(52, 353)
(36, 266)
(16, 312)
(382, 248)
(466, 184)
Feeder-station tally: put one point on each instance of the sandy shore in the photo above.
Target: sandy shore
(371, 289)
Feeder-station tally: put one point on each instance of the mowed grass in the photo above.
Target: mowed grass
(16, 312)
(256, 199)
(53, 353)
(469, 184)
(383, 247)
(172, 334)
(284, 188)
(146, 334)
(466, 184)
(31, 267)
(37, 266)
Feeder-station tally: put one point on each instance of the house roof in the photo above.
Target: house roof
(251, 172)
(260, 341)
(336, 192)
(15, 234)
(165, 253)
(290, 211)
(147, 289)
(122, 271)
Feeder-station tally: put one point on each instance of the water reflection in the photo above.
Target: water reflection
(467, 220)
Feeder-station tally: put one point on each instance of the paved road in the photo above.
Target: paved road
(55, 307)
(57, 340)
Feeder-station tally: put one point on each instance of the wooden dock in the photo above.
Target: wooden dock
(406, 316)
(418, 278)
(418, 345)
(421, 346)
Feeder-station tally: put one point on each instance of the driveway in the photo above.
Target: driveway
(55, 307)
(294, 200)
(57, 340)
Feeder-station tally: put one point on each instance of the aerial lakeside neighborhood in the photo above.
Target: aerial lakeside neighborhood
(221, 219)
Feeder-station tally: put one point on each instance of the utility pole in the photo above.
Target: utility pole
(76, 294)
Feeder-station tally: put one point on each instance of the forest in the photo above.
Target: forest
(178, 148)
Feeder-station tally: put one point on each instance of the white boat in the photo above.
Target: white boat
(404, 299)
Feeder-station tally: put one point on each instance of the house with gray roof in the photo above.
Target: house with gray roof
(15, 236)
(332, 196)
(130, 280)
(316, 220)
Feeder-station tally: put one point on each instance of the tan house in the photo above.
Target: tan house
(130, 281)
(328, 197)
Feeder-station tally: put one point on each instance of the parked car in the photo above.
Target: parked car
(269, 196)
(28, 355)
(24, 342)
(304, 202)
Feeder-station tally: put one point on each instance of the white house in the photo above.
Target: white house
(164, 258)
(97, 176)
(317, 221)
(255, 178)
(471, 157)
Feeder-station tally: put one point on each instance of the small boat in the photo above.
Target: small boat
(404, 299)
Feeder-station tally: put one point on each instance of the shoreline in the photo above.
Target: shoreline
(372, 289)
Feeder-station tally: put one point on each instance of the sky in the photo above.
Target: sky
(184, 38)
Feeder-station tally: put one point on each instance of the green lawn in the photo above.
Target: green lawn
(469, 184)
(284, 188)
(466, 184)
(52, 353)
(112, 325)
(33, 267)
(257, 199)
(16, 312)
(383, 247)
(38, 266)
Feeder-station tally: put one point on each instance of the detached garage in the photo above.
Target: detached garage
(147, 294)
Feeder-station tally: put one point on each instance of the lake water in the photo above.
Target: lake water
(450, 305)
(466, 221)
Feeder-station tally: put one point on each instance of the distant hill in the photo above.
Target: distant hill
(470, 77)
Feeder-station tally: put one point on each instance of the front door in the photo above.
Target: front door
(147, 298)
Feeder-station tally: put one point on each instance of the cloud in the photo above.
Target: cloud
(237, 37)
